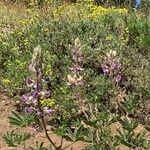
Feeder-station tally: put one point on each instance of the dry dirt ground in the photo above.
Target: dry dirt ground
(7, 105)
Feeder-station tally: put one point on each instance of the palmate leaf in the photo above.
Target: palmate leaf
(77, 135)
(38, 147)
(22, 120)
(14, 139)
(137, 140)
(131, 139)
(103, 116)
(124, 137)
(146, 144)
(128, 125)
(91, 135)
(115, 118)
(61, 130)
(129, 104)
(92, 123)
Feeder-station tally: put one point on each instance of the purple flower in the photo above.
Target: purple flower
(48, 110)
(105, 69)
(48, 94)
(80, 60)
(118, 78)
(75, 68)
(35, 94)
(29, 109)
(80, 81)
(34, 101)
(25, 98)
(38, 113)
(45, 94)
(30, 82)
(113, 66)
(28, 98)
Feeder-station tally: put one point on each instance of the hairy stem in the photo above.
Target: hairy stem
(44, 126)
(41, 111)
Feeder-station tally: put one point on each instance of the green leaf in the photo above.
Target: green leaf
(22, 120)
(38, 147)
(77, 135)
(147, 128)
(14, 139)
(128, 125)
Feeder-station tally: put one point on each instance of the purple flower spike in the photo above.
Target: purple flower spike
(105, 69)
(48, 110)
(34, 101)
(45, 94)
(113, 66)
(35, 94)
(29, 109)
(118, 78)
(48, 94)
(25, 98)
(30, 82)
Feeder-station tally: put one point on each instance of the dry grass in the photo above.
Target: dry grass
(10, 14)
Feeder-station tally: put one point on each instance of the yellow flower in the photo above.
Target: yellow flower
(48, 102)
(6, 81)
(109, 37)
(101, 11)
(15, 49)
(46, 30)
(49, 70)
(126, 30)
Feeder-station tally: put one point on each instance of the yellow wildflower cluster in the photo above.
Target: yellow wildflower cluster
(48, 102)
(49, 70)
(109, 37)
(15, 50)
(33, 15)
(97, 11)
(86, 11)
(6, 81)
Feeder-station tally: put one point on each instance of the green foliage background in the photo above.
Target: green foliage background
(99, 30)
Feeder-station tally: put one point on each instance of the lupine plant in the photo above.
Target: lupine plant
(32, 103)
(75, 78)
(77, 66)
(94, 127)
(32, 100)
(112, 66)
